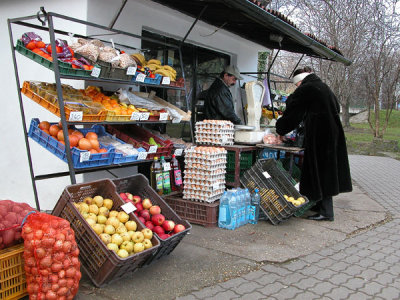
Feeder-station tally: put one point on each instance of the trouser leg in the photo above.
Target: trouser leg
(326, 206)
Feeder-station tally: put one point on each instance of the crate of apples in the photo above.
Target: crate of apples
(151, 216)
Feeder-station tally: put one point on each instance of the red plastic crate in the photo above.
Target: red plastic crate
(139, 137)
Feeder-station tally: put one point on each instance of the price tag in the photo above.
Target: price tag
(95, 72)
(297, 186)
(164, 116)
(144, 116)
(178, 152)
(166, 166)
(266, 175)
(215, 186)
(75, 116)
(166, 80)
(152, 149)
(135, 116)
(128, 207)
(142, 155)
(140, 77)
(131, 71)
(84, 156)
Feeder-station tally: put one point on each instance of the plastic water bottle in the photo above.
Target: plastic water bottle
(224, 217)
(242, 205)
(233, 209)
(255, 207)
(248, 204)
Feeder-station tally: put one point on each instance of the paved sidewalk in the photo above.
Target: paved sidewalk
(364, 266)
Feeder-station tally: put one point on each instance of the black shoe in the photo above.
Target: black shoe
(319, 217)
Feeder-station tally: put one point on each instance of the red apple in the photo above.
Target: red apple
(137, 199)
(163, 236)
(155, 209)
(159, 230)
(158, 219)
(136, 213)
(168, 225)
(149, 225)
(123, 196)
(145, 214)
(179, 228)
(129, 195)
(139, 206)
(147, 203)
(141, 219)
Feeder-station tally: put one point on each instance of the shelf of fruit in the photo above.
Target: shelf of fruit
(92, 60)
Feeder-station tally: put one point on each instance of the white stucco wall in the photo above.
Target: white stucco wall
(16, 183)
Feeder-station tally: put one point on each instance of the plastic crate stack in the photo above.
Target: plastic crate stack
(204, 178)
(215, 132)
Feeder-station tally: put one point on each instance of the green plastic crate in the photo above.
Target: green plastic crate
(246, 160)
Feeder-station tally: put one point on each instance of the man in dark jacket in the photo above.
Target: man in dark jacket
(218, 104)
(325, 170)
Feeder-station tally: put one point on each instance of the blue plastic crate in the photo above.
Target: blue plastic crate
(268, 153)
(119, 158)
(58, 149)
(148, 80)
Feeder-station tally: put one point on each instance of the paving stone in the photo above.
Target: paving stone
(369, 274)
(288, 293)
(297, 265)
(322, 288)
(394, 269)
(307, 283)
(209, 291)
(339, 293)
(268, 279)
(253, 296)
(392, 259)
(385, 278)
(292, 279)
(377, 256)
(355, 283)
(246, 288)
(352, 259)
(306, 295)
(354, 270)
(326, 262)
(324, 274)
(233, 283)
(271, 289)
(275, 269)
(359, 296)
(366, 262)
(339, 256)
(390, 293)
(312, 258)
(254, 275)
(311, 270)
(381, 266)
(228, 295)
(372, 288)
(339, 278)
(340, 266)
(351, 250)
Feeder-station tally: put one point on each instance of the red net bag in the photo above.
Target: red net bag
(51, 258)
(11, 216)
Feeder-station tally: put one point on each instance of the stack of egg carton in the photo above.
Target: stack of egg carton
(204, 178)
(215, 132)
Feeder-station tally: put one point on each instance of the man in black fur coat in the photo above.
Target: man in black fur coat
(325, 170)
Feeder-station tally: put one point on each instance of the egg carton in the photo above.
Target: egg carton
(198, 177)
(205, 182)
(217, 143)
(203, 166)
(199, 198)
(204, 187)
(204, 193)
(202, 160)
(215, 124)
(206, 152)
(211, 132)
(205, 173)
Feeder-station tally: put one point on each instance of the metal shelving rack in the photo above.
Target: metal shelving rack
(47, 24)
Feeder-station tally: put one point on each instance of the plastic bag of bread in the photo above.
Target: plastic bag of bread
(89, 51)
(125, 61)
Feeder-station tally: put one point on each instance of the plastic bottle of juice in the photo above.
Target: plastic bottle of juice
(176, 175)
(156, 176)
(166, 167)
(255, 207)
(224, 216)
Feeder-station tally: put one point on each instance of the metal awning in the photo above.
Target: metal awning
(254, 23)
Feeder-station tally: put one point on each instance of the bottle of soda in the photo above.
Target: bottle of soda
(166, 167)
(255, 207)
(224, 215)
(176, 175)
(156, 176)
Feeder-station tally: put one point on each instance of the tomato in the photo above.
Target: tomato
(40, 44)
(31, 45)
(152, 76)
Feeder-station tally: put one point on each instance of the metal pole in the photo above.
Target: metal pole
(295, 67)
(61, 100)
(194, 23)
(21, 107)
(114, 20)
(269, 84)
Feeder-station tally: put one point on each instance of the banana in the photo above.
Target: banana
(152, 67)
(169, 68)
(139, 57)
(154, 61)
(166, 73)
